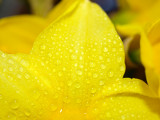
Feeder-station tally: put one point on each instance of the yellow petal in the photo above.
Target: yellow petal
(126, 99)
(134, 29)
(126, 107)
(125, 85)
(70, 62)
(18, 33)
(23, 94)
(152, 13)
(153, 73)
(63, 8)
(82, 52)
(140, 5)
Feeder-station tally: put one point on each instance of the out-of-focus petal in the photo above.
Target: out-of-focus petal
(134, 29)
(63, 8)
(18, 33)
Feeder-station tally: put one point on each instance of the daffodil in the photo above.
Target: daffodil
(74, 71)
(149, 48)
(137, 11)
(19, 32)
(146, 25)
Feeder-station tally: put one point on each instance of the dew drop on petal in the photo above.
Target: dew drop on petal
(77, 85)
(101, 82)
(93, 90)
(14, 104)
(79, 72)
(110, 74)
(105, 49)
(27, 113)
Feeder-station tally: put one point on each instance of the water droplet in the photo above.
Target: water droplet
(69, 83)
(27, 113)
(110, 74)
(93, 90)
(108, 60)
(10, 61)
(101, 82)
(59, 74)
(122, 68)
(105, 49)
(14, 104)
(81, 58)
(103, 66)
(119, 59)
(100, 58)
(95, 75)
(19, 76)
(61, 110)
(27, 76)
(79, 72)
(81, 66)
(113, 49)
(66, 100)
(64, 69)
(10, 69)
(36, 94)
(92, 64)
(43, 47)
(50, 54)
(3, 55)
(77, 85)
(53, 107)
(95, 110)
(73, 57)
(11, 116)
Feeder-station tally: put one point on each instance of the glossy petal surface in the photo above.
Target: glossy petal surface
(75, 64)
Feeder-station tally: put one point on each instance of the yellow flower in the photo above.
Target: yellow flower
(137, 11)
(19, 32)
(146, 24)
(74, 71)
